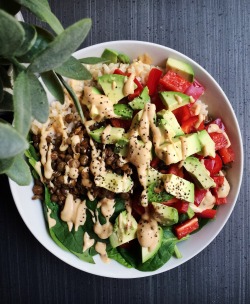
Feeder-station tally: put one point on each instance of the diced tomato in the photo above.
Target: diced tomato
(181, 206)
(201, 126)
(183, 229)
(213, 165)
(174, 169)
(219, 139)
(219, 123)
(155, 99)
(195, 90)
(153, 80)
(171, 202)
(221, 200)
(155, 162)
(121, 123)
(219, 180)
(199, 195)
(227, 155)
(120, 72)
(188, 126)
(208, 213)
(137, 91)
(173, 82)
(182, 113)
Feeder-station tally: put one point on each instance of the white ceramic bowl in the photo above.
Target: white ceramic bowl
(31, 211)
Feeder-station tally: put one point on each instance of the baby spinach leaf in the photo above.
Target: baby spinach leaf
(132, 255)
(73, 69)
(162, 196)
(84, 256)
(12, 142)
(73, 96)
(53, 85)
(11, 32)
(115, 255)
(22, 104)
(93, 60)
(43, 12)
(29, 39)
(61, 48)
(19, 171)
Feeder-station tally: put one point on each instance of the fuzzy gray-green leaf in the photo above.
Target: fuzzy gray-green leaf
(5, 164)
(93, 60)
(72, 68)
(12, 142)
(42, 11)
(61, 48)
(29, 39)
(38, 99)
(11, 34)
(53, 85)
(19, 172)
(22, 104)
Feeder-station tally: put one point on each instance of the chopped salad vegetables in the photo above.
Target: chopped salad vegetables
(144, 170)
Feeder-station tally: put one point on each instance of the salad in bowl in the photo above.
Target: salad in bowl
(144, 165)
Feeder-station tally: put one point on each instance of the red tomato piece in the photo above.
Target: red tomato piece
(155, 162)
(181, 206)
(188, 126)
(219, 139)
(174, 169)
(195, 90)
(201, 126)
(219, 180)
(171, 202)
(213, 165)
(227, 155)
(155, 99)
(199, 195)
(137, 91)
(121, 123)
(208, 213)
(120, 72)
(182, 113)
(183, 229)
(173, 82)
(153, 80)
(221, 201)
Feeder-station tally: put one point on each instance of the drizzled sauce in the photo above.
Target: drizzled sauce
(51, 221)
(87, 241)
(101, 249)
(208, 202)
(128, 87)
(215, 128)
(223, 191)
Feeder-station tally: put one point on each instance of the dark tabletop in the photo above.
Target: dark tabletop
(216, 34)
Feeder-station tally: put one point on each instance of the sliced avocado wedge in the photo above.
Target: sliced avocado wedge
(110, 55)
(174, 100)
(165, 215)
(125, 229)
(112, 85)
(114, 182)
(139, 102)
(108, 135)
(181, 68)
(123, 110)
(148, 254)
(207, 144)
(169, 122)
(199, 172)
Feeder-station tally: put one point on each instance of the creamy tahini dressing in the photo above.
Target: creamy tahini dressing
(106, 133)
(74, 212)
(51, 221)
(103, 231)
(215, 128)
(87, 241)
(63, 130)
(208, 202)
(48, 171)
(223, 191)
(107, 207)
(75, 139)
(101, 249)
(148, 232)
(129, 85)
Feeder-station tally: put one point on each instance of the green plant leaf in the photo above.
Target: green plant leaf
(73, 96)
(11, 34)
(45, 3)
(5, 77)
(29, 39)
(72, 68)
(6, 105)
(115, 255)
(12, 143)
(43, 12)
(10, 6)
(53, 85)
(38, 98)
(42, 40)
(5, 164)
(22, 104)
(61, 48)
(1, 90)
(19, 172)
(93, 60)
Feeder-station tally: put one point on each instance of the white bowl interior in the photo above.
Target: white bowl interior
(31, 211)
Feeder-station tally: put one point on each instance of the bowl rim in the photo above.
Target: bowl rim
(241, 153)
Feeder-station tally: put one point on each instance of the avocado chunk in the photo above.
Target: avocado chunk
(156, 193)
(207, 144)
(165, 215)
(110, 55)
(179, 187)
(112, 85)
(199, 172)
(148, 254)
(114, 182)
(123, 110)
(123, 58)
(108, 135)
(153, 176)
(190, 213)
(125, 229)
(170, 123)
(121, 146)
(174, 100)
(138, 103)
(181, 68)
